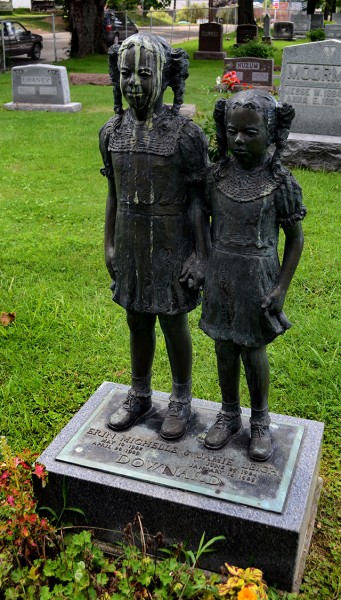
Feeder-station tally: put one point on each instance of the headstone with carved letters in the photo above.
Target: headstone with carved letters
(41, 87)
(283, 30)
(311, 82)
(301, 23)
(266, 510)
(246, 33)
(317, 21)
(253, 71)
(210, 42)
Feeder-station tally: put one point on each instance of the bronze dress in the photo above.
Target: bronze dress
(152, 167)
(247, 208)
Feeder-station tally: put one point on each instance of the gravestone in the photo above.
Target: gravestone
(301, 23)
(333, 32)
(210, 42)
(245, 33)
(283, 30)
(311, 82)
(265, 510)
(336, 17)
(253, 71)
(6, 7)
(41, 88)
(317, 21)
(266, 29)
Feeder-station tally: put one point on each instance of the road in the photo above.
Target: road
(50, 54)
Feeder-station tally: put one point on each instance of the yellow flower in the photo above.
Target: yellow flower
(252, 574)
(234, 571)
(247, 594)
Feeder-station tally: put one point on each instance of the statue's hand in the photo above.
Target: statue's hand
(110, 262)
(193, 272)
(274, 301)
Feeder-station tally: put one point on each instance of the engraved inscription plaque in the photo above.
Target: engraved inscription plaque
(185, 464)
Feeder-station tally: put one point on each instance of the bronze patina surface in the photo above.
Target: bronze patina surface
(186, 464)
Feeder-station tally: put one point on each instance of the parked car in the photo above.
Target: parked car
(18, 40)
(117, 27)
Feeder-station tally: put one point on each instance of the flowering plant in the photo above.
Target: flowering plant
(243, 584)
(230, 79)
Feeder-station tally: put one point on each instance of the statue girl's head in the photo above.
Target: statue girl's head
(142, 68)
(249, 122)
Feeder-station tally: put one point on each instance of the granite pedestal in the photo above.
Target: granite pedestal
(265, 510)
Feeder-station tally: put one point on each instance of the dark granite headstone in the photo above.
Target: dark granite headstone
(311, 82)
(41, 87)
(283, 30)
(210, 41)
(245, 33)
(301, 23)
(317, 21)
(333, 32)
(266, 29)
(265, 510)
(253, 71)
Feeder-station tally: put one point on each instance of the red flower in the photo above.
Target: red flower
(39, 471)
(10, 500)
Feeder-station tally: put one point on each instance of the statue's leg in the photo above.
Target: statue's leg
(228, 421)
(142, 349)
(179, 348)
(256, 366)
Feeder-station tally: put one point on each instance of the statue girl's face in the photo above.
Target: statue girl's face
(246, 136)
(140, 78)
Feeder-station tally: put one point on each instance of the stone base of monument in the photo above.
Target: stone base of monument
(209, 55)
(70, 107)
(311, 151)
(265, 510)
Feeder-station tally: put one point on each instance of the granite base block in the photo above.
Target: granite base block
(276, 542)
(315, 152)
(28, 106)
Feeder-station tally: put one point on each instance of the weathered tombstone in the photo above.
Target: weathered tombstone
(266, 29)
(283, 30)
(336, 17)
(210, 42)
(253, 71)
(301, 23)
(6, 7)
(41, 88)
(245, 33)
(317, 21)
(311, 82)
(333, 32)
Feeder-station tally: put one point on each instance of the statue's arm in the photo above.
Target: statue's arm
(109, 229)
(293, 247)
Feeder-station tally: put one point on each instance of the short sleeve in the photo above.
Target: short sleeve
(288, 201)
(193, 152)
(104, 136)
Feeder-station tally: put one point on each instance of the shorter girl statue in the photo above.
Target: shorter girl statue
(251, 195)
(156, 229)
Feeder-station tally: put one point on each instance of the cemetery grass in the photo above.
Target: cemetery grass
(68, 337)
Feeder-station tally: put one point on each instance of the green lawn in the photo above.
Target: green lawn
(68, 336)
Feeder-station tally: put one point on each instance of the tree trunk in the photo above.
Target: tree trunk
(311, 7)
(245, 12)
(86, 26)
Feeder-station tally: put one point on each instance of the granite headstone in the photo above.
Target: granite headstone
(210, 42)
(317, 21)
(336, 17)
(311, 82)
(253, 71)
(333, 32)
(301, 23)
(266, 29)
(41, 87)
(283, 30)
(245, 33)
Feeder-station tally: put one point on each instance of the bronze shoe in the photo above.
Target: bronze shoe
(226, 425)
(176, 420)
(131, 410)
(260, 443)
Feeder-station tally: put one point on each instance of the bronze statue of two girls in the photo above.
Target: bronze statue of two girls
(175, 224)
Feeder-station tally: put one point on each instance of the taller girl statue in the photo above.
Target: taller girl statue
(156, 231)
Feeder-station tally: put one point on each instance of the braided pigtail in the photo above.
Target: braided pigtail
(177, 68)
(115, 78)
(219, 118)
(285, 114)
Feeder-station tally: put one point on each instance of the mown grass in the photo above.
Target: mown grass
(68, 337)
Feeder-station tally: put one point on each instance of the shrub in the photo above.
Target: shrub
(252, 48)
(317, 35)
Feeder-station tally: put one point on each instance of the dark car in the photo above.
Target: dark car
(18, 40)
(117, 27)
